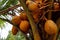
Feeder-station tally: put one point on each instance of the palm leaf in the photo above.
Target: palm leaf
(1, 23)
(7, 3)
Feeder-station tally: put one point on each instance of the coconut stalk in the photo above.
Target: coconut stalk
(32, 23)
(50, 8)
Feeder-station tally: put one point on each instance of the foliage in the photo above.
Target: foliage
(4, 4)
(1, 23)
(10, 37)
(19, 36)
(7, 3)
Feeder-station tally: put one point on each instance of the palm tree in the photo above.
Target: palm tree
(10, 8)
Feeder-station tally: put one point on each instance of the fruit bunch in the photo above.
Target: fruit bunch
(22, 23)
(49, 26)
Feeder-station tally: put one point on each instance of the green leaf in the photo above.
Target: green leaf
(1, 23)
(19, 36)
(14, 2)
(3, 3)
(7, 3)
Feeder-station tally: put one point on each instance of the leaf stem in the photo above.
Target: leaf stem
(9, 9)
